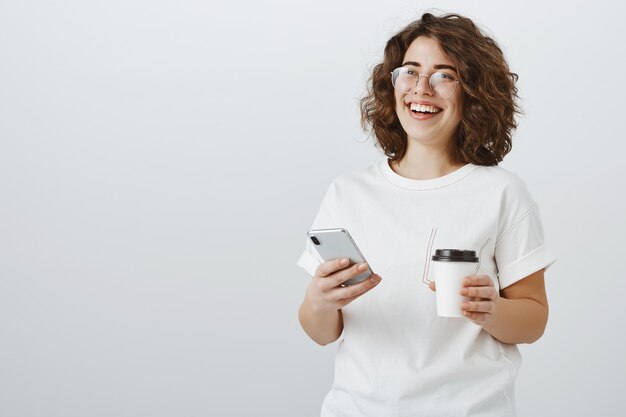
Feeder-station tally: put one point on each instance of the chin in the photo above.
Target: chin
(425, 139)
(421, 135)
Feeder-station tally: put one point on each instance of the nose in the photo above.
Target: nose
(422, 86)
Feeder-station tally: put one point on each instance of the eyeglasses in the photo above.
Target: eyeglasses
(442, 84)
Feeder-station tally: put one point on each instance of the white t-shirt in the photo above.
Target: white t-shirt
(396, 356)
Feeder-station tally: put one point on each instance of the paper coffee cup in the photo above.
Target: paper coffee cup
(449, 267)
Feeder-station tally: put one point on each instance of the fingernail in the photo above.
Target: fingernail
(375, 279)
(362, 267)
(343, 262)
(464, 291)
(467, 281)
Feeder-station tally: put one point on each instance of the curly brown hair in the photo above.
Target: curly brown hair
(489, 92)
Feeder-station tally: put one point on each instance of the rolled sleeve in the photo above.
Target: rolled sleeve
(521, 251)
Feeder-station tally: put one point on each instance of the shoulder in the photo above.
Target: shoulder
(508, 184)
(359, 177)
(348, 185)
(501, 177)
(511, 194)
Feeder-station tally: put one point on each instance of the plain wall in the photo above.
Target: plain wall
(161, 161)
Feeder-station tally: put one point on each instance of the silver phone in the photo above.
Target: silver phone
(337, 243)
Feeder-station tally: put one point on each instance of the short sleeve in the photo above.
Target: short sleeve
(521, 248)
(326, 218)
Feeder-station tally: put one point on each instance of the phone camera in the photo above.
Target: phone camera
(314, 239)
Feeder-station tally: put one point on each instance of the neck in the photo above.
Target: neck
(425, 163)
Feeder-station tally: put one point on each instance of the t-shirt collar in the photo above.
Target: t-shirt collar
(410, 184)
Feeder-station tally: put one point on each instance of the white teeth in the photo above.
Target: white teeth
(422, 108)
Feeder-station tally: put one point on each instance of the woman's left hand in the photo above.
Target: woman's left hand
(482, 307)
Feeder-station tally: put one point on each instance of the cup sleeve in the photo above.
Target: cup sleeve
(521, 250)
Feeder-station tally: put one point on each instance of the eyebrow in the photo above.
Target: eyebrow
(436, 66)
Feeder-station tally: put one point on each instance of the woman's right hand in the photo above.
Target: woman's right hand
(325, 292)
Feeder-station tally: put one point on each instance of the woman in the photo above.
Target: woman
(442, 106)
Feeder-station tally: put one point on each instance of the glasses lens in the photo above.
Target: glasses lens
(403, 79)
(442, 84)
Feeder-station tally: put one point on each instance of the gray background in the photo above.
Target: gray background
(161, 161)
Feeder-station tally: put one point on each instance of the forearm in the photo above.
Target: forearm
(520, 320)
(323, 327)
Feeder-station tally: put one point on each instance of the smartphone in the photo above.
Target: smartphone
(337, 243)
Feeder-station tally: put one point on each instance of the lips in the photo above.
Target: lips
(423, 110)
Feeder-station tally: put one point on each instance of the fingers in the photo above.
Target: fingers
(348, 294)
(339, 277)
(478, 306)
(338, 297)
(480, 312)
(325, 290)
(332, 274)
(483, 298)
(478, 281)
(478, 318)
(479, 287)
(327, 268)
(432, 286)
(489, 293)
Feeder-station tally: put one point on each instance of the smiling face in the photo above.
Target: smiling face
(426, 117)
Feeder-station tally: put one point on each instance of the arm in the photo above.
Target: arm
(518, 315)
(320, 313)
(323, 327)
